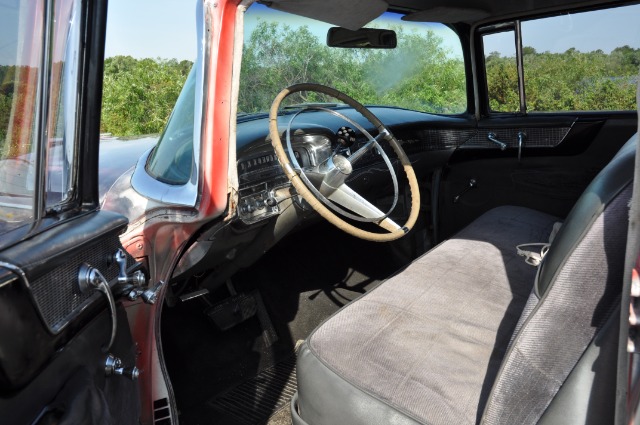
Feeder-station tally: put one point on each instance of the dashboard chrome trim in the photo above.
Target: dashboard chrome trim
(151, 188)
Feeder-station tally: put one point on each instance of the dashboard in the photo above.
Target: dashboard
(317, 135)
(268, 207)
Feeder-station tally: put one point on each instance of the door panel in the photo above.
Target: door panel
(73, 388)
(58, 332)
(560, 157)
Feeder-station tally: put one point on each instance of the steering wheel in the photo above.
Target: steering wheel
(328, 190)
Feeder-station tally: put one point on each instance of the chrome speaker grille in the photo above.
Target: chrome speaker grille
(542, 137)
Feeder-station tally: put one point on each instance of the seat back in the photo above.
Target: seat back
(577, 290)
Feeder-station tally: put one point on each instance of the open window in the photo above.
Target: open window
(583, 61)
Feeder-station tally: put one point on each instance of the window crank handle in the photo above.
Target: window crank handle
(493, 138)
(90, 278)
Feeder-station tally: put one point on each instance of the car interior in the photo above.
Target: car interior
(495, 296)
(359, 212)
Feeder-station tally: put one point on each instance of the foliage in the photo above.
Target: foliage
(17, 95)
(139, 95)
(420, 74)
(569, 81)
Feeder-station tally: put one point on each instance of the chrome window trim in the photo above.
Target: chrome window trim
(149, 187)
(70, 99)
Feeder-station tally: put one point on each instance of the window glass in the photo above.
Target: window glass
(502, 71)
(63, 91)
(582, 62)
(172, 160)
(425, 72)
(20, 53)
(21, 129)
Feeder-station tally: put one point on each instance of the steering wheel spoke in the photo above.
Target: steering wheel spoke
(349, 198)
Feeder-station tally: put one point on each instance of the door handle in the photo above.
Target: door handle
(521, 138)
(90, 279)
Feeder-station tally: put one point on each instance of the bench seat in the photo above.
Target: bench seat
(398, 343)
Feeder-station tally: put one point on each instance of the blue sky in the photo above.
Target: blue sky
(166, 29)
(604, 30)
(152, 29)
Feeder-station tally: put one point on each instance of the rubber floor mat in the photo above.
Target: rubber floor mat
(255, 400)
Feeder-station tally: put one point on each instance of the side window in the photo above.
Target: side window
(502, 71)
(21, 27)
(63, 92)
(37, 145)
(585, 61)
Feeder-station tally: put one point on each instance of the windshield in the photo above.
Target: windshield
(424, 73)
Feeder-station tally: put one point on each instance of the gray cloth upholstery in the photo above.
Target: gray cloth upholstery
(588, 395)
(399, 342)
(572, 310)
(463, 336)
(576, 299)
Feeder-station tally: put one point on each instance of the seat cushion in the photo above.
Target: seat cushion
(395, 350)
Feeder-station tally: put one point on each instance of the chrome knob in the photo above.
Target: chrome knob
(137, 278)
(113, 366)
(150, 296)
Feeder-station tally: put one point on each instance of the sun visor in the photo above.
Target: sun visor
(447, 15)
(352, 14)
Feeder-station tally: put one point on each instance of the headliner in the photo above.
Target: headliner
(354, 14)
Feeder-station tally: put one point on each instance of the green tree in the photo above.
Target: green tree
(419, 74)
(139, 94)
(568, 81)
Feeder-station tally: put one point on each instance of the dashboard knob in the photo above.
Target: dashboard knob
(346, 136)
(271, 201)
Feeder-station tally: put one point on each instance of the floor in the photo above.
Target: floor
(237, 376)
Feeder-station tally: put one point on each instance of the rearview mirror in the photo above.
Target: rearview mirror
(364, 38)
